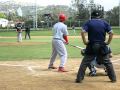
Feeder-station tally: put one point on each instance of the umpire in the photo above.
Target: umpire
(27, 31)
(96, 46)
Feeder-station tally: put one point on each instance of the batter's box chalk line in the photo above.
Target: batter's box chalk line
(34, 72)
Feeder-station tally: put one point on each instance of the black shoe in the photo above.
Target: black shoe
(52, 67)
(113, 81)
(78, 81)
(92, 74)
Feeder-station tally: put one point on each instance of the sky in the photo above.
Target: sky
(108, 4)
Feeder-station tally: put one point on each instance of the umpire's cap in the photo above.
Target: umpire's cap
(95, 14)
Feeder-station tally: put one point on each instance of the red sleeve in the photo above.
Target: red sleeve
(65, 38)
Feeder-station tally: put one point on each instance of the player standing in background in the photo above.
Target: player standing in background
(73, 28)
(58, 44)
(27, 32)
(18, 27)
(96, 46)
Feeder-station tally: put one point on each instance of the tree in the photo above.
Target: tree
(2, 15)
(82, 11)
(113, 16)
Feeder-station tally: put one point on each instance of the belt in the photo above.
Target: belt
(57, 38)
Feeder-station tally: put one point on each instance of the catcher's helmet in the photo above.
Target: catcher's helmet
(62, 17)
(95, 14)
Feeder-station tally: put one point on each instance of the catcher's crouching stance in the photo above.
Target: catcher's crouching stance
(95, 63)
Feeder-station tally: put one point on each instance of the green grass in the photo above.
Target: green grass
(24, 52)
(37, 33)
(115, 46)
(49, 32)
(116, 30)
(41, 51)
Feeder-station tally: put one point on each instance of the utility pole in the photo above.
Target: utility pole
(91, 3)
(35, 15)
(119, 14)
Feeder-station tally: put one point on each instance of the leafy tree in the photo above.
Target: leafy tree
(113, 16)
(82, 11)
(2, 15)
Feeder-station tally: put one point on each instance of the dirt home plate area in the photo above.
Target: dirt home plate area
(34, 75)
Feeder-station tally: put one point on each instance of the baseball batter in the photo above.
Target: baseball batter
(59, 40)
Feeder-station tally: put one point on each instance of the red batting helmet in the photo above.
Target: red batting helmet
(62, 17)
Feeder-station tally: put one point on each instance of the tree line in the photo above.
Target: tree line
(77, 13)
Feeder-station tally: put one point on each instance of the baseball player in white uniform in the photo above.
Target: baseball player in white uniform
(18, 27)
(59, 40)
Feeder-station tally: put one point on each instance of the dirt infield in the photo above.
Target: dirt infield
(34, 75)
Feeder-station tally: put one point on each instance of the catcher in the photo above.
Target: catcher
(96, 46)
(95, 63)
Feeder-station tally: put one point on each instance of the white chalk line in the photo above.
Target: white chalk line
(116, 60)
(30, 68)
(17, 65)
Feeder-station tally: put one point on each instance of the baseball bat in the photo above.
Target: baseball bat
(76, 46)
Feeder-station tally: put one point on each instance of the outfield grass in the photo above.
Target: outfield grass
(40, 51)
(48, 32)
(37, 33)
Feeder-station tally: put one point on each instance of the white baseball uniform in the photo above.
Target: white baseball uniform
(58, 46)
(19, 32)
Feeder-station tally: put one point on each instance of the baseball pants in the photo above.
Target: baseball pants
(59, 48)
(87, 60)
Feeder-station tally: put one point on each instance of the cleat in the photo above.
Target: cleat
(113, 81)
(92, 74)
(61, 69)
(78, 81)
(52, 67)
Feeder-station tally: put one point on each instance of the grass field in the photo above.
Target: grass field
(39, 47)
(23, 66)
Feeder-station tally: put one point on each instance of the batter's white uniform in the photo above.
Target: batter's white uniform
(58, 46)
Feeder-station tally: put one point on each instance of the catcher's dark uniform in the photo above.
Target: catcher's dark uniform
(96, 47)
(95, 63)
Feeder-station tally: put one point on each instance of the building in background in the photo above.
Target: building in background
(3, 22)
